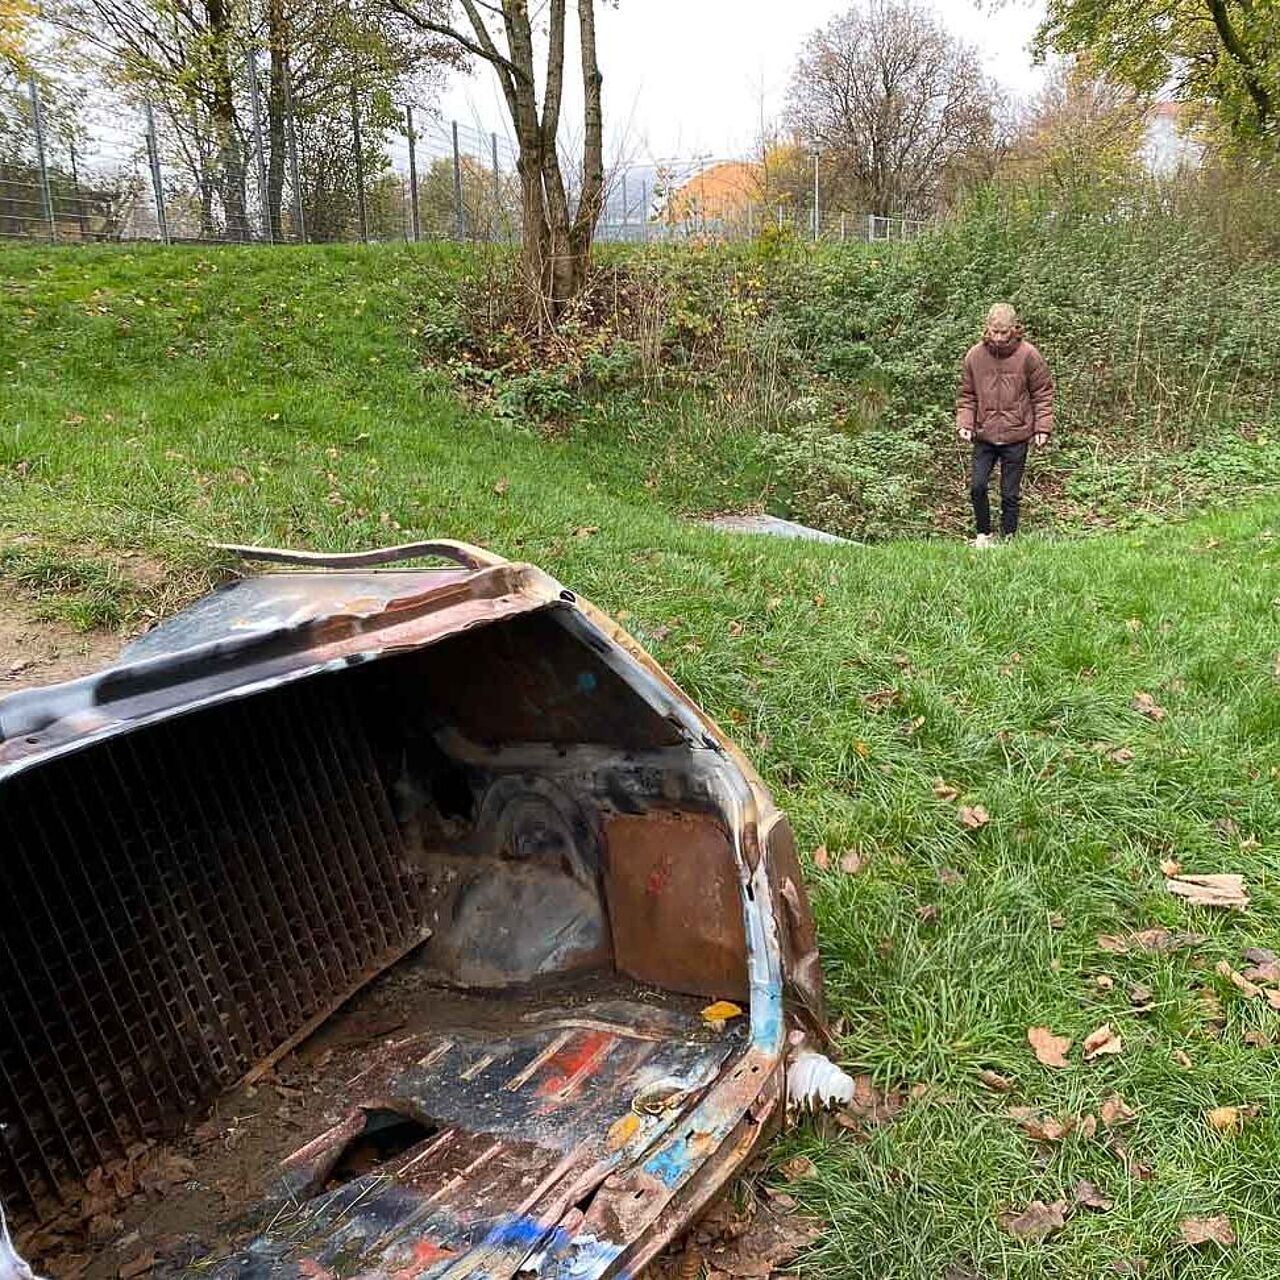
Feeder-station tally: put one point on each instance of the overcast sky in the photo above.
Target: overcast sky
(688, 77)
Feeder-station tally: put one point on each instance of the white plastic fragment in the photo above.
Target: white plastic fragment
(12, 1265)
(814, 1082)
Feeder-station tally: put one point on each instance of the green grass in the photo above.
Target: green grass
(151, 401)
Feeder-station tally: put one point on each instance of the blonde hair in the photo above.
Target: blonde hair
(1005, 315)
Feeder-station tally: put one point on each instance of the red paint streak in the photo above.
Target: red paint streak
(573, 1058)
(426, 1253)
(659, 877)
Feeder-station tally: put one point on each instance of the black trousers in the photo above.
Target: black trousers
(1013, 460)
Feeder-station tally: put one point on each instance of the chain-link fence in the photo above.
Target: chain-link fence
(101, 167)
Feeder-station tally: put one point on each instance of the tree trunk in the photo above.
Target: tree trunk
(277, 99)
(222, 107)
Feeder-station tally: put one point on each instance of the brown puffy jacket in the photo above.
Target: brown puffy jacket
(1006, 393)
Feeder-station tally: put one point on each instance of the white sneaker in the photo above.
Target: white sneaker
(983, 540)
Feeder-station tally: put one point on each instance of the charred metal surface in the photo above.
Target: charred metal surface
(674, 899)
(180, 902)
(298, 780)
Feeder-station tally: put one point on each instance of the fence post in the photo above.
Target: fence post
(497, 188)
(459, 217)
(255, 115)
(843, 216)
(871, 227)
(46, 193)
(292, 135)
(415, 217)
(81, 217)
(358, 145)
(153, 154)
(644, 211)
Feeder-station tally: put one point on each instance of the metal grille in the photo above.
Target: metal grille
(178, 903)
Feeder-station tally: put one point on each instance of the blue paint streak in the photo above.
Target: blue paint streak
(671, 1164)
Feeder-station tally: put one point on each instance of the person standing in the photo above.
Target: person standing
(1005, 404)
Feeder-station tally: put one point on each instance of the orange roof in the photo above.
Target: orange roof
(723, 190)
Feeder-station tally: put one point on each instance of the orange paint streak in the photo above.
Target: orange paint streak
(571, 1059)
(426, 1253)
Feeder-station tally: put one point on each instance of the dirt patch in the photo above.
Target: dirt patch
(35, 651)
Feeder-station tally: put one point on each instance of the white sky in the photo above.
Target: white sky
(688, 77)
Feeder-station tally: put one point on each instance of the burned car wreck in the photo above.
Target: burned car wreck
(463, 788)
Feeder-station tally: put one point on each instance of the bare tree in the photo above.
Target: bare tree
(895, 101)
(557, 234)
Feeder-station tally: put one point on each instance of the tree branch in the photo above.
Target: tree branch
(483, 48)
(1235, 47)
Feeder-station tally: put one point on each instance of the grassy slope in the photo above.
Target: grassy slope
(156, 399)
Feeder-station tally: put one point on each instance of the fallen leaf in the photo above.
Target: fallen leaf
(1237, 980)
(1158, 940)
(1170, 867)
(1036, 1221)
(950, 876)
(927, 913)
(1145, 705)
(1134, 1167)
(1210, 1007)
(958, 1271)
(1182, 1058)
(1260, 955)
(1203, 1230)
(1263, 973)
(1257, 1039)
(974, 816)
(879, 699)
(1087, 1196)
(138, 1265)
(1040, 1128)
(1116, 1112)
(1141, 997)
(1121, 755)
(1273, 998)
(1129, 1267)
(1104, 982)
(1049, 1049)
(1227, 828)
(1210, 891)
(1101, 1041)
(821, 858)
(994, 1080)
(1087, 1126)
(716, 1015)
(852, 862)
(1057, 920)
(944, 790)
(869, 1103)
(1226, 1119)
(797, 1167)
(501, 486)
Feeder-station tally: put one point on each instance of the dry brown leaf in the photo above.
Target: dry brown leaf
(945, 791)
(1145, 705)
(878, 699)
(1049, 1049)
(1170, 867)
(1273, 998)
(1104, 982)
(1057, 920)
(868, 1103)
(1116, 1112)
(1237, 980)
(1134, 1167)
(1087, 1196)
(1210, 891)
(1087, 1126)
(927, 913)
(852, 862)
(1141, 997)
(1121, 755)
(1203, 1230)
(1263, 973)
(1224, 1119)
(974, 816)
(1260, 955)
(821, 858)
(501, 486)
(1182, 1058)
(1037, 1127)
(1256, 1039)
(994, 1080)
(1036, 1221)
(1157, 940)
(950, 876)
(1101, 1041)
(138, 1265)
(796, 1168)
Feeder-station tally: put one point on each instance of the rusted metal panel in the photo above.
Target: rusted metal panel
(675, 902)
